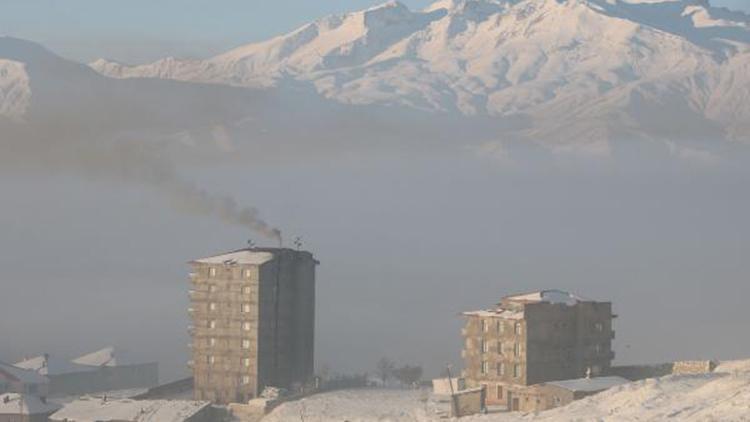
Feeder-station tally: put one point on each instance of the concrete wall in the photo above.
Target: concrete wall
(287, 315)
(105, 379)
(10, 385)
(467, 402)
(641, 372)
(694, 367)
(24, 418)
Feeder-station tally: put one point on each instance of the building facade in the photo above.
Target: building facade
(534, 338)
(253, 322)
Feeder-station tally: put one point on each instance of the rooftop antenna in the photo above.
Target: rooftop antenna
(298, 242)
(250, 243)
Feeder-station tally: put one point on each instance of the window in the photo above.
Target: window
(245, 344)
(518, 328)
(499, 392)
(212, 342)
(246, 362)
(500, 369)
(245, 308)
(245, 380)
(499, 347)
(500, 327)
(599, 327)
(517, 349)
(210, 359)
(516, 370)
(485, 326)
(485, 367)
(212, 324)
(598, 349)
(212, 272)
(246, 326)
(247, 290)
(247, 273)
(485, 346)
(211, 288)
(212, 306)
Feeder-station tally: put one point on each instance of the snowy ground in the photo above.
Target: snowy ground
(721, 396)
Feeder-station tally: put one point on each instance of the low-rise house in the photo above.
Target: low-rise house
(16, 407)
(101, 409)
(22, 381)
(103, 370)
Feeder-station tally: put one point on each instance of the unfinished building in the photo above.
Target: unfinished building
(253, 321)
(534, 338)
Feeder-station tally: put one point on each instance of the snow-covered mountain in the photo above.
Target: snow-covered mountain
(575, 70)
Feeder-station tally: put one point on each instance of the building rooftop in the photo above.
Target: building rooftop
(247, 256)
(25, 376)
(103, 357)
(242, 257)
(547, 296)
(91, 409)
(23, 404)
(496, 313)
(590, 385)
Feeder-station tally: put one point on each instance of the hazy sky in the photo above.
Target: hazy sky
(144, 30)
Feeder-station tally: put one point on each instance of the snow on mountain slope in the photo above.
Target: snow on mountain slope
(720, 396)
(15, 94)
(578, 69)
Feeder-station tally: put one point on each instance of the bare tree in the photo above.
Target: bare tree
(408, 375)
(384, 369)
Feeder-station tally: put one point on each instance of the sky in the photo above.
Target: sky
(140, 31)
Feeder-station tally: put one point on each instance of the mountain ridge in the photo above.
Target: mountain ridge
(549, 60)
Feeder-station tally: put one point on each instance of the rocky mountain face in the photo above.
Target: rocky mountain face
(577, 71)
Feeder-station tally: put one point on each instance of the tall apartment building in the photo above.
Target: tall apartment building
(253, 321)
(534, 338)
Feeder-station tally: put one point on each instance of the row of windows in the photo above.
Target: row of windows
(212, 324)
(212, 272)
(246, 290)
(499, 326)
(212, 360)
(246, 344)
(500, 369)
(245, 308)
(484, 346)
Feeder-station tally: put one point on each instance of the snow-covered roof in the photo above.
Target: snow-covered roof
(496, 313)
(590, 385)
(22, 375)
(103, 357)
(50, 365)
(548, 296)
(23, 404)
(243, 257)
(91, 409)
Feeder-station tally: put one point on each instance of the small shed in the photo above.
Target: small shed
(559, 393)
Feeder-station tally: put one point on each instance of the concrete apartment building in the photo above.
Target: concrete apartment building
(535, 338)
(253, 321)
